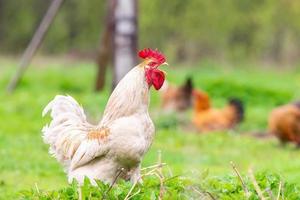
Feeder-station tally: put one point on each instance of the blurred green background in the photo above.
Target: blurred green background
(257, 30)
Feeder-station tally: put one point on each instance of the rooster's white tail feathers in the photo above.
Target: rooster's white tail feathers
(67, 129)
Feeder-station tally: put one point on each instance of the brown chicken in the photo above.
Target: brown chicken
(284, 123)
(207, 118)
(177, 98)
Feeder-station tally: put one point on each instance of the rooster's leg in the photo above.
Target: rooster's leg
(136, 175)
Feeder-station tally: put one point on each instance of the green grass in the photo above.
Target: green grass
(228, 187)
(25, 162)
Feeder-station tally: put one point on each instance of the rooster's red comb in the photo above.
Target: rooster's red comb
(157, 57)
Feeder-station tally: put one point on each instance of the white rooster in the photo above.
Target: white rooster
(122, 137)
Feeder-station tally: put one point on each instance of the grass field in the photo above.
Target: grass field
(25, 162)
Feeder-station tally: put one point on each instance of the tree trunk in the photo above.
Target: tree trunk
(125, 39)
(106, 46)
(277, 50)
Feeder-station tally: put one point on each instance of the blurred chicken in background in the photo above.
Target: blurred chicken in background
(284, 123)
(206, 118)
(176, 98)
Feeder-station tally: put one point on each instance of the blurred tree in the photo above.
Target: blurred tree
(125, 38)
(35, 43)
(106, 45)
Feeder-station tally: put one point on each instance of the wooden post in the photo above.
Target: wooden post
(106, 45)
(125, 38)
(35, 43)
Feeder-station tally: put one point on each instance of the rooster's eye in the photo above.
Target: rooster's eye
(153, 64)
(153, 55)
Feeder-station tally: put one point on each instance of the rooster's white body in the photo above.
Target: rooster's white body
(120, 140)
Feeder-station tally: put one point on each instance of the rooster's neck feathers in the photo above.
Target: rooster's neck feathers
(130, 96)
